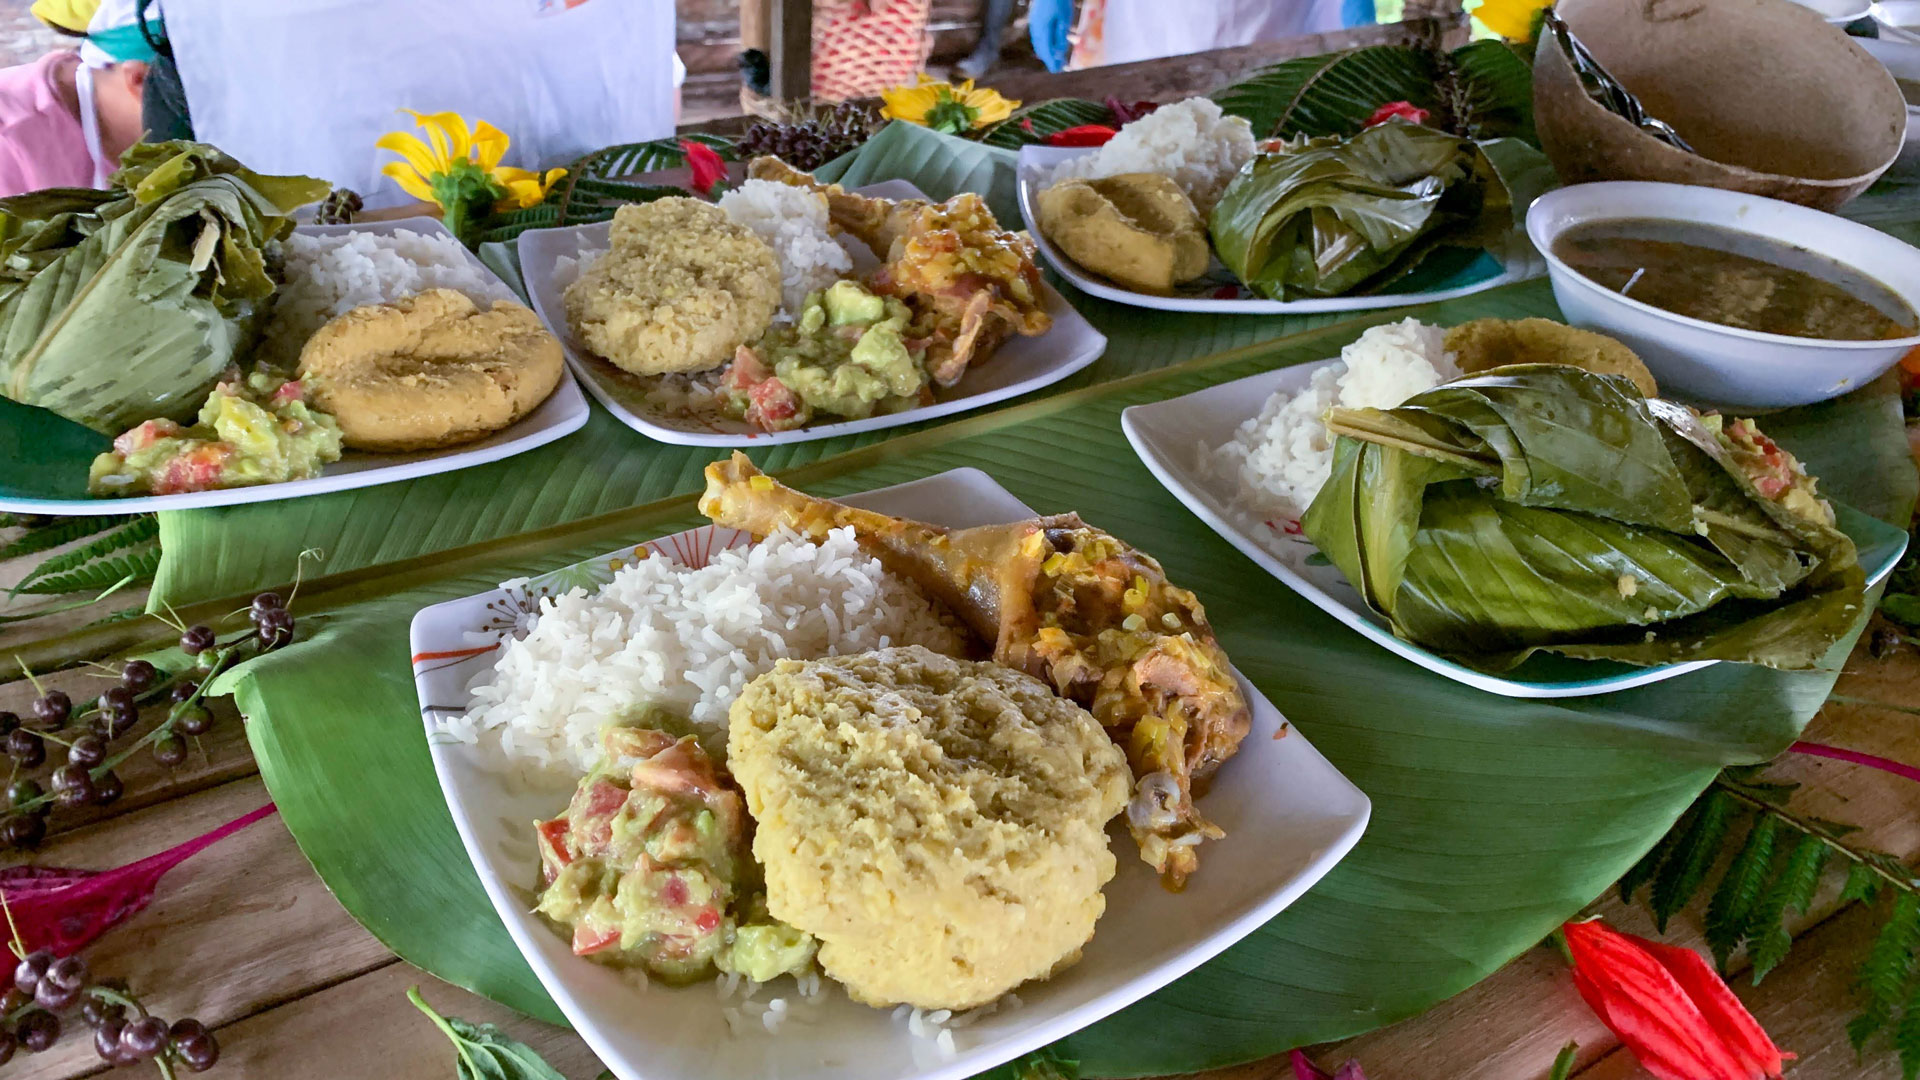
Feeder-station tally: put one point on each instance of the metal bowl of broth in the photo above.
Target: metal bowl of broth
(1733, 300)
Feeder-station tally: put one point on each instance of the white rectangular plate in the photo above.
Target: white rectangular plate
(563, 413)
(1289, 816)
(1169, 437)
(1518, 263)
(1019, 365)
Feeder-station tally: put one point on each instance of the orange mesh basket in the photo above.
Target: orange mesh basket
(861, 47)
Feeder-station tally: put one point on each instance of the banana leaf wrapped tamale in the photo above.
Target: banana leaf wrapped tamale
(1544, 507)
(121, 305)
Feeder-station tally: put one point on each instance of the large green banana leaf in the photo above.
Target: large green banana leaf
(117, 307)
(1547, 507)
(1494, 819)
(1334, 216)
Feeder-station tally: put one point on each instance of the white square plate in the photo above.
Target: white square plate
(1171, 436)
(563, 413)
(1289, 816)
(1019, 365)
(1518, 263)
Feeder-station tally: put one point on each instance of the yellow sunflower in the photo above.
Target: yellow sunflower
(946, 107)
(458, 167)
(1515, 20)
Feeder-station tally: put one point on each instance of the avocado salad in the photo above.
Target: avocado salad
(650, 869)
(847, 355)
(260, 429)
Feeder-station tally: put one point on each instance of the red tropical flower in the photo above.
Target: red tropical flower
(705, 163)
(1669, 1007)
(1397, 110)
(1084, 135)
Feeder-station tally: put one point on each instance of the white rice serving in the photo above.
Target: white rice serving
(331, 275)
(687, 640)
(1192, 141)
(793, 222)
(1281, 458)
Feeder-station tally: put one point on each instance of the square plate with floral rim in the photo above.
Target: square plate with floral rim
(1289, 817)
(1175, 439)
(1019, 365)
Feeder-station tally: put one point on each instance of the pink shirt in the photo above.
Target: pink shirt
(41, 144)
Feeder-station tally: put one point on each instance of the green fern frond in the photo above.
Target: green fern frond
(140, 566)
(1031, 123)
(1906, 1035)
(1642, 872)
(1731, 911)
(1862, 884)
(1693, 855)
(64, 531)
(1883, 977)
(137, 531)
(1791, 890)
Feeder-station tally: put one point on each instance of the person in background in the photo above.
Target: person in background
(66, 118)
(308, 86)
(1125, 31)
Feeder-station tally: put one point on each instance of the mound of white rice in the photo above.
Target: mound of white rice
(793, 222)
(332, 275)
(1191, 141)
(688, 640)
(1283, 457)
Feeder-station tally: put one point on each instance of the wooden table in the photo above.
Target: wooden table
(247, 938)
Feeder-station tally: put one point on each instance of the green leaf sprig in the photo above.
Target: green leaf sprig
(483, 1051)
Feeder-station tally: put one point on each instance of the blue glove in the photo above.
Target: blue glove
(1048, 22)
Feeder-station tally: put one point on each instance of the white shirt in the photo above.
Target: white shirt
(306, 86)
(1150, 29)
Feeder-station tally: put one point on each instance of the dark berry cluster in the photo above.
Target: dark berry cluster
(88, 776)
(809, 144)
(45, 986)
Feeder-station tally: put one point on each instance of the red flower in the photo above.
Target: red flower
(1126, 112)
(1669, 1007)
(708, 170)
(1397, 110)
(1084, 135)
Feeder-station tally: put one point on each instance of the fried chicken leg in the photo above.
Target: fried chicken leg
(1071, 605)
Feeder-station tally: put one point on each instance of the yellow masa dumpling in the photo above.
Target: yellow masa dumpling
(680, 288)
(1138, 229)
(938, 824)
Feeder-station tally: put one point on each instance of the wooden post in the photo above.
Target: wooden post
(790, 49)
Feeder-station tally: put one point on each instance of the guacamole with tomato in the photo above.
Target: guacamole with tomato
(846, 355)
(649, 867)
(256, 430)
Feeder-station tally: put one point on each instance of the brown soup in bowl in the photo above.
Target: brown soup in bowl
(1735, 279)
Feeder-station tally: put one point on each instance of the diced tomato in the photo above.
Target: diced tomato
(145, 435)
(1772, 487)
(746, 371)
(593, 819)
(587, 941)
(707, 921)
(291, 390)
(674, 892)
(772, 403)
(682, 768)
(195, 469)
(552, 838)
